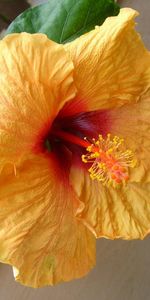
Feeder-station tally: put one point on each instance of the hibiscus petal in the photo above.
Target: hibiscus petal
(36, 81)
(39, 232)
(132, 122)
(112, 66)
(114, 213)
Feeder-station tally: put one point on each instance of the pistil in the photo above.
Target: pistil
(110, 164)
(108, 158)
(68, 137)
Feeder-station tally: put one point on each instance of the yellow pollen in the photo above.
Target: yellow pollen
(110, 160)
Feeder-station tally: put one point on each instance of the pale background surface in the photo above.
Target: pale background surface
(122, 271)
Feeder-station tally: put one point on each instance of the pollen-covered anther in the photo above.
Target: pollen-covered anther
(110, 160)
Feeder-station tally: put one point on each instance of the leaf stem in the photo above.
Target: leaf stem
(5, 19)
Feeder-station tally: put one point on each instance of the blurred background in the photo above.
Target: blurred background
(122, 271)
(9, 9)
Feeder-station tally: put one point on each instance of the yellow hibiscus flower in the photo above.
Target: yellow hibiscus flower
(59, 190)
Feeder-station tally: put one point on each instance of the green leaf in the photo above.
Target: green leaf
(64, 20)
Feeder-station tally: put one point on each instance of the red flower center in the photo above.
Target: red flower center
(68, 150)
(69, 132)
(83, 138)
